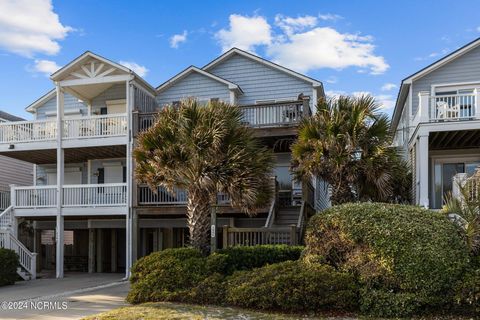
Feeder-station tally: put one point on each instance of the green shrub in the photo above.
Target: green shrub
(246, 258)
(10, 263)
(468, 291)
(166, 275)
(293, 286)
(211, 290)
(407, 259)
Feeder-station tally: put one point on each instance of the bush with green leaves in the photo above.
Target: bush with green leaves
(293, 286)
(408, 260)
(184, 274)
(247, 258)
(166, 275)
(10, 263)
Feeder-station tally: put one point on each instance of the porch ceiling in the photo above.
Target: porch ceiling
(72, 155)
(462, 139)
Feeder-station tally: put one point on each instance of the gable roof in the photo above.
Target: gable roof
(193, 69)
(9, 117)
(87, 55)
(261, 60)
(40, 101)
(406, 83)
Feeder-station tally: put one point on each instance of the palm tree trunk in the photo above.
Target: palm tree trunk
(198, 219)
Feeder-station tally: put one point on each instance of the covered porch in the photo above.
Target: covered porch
(437, 157)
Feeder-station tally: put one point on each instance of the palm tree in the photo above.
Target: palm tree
(465, 211)
(347, 143)
(205, 149)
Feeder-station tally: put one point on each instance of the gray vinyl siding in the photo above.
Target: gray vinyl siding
(465, 68)
(260, 82)
(115, 92)
(70, 103)
(16, 172)
(194, 85)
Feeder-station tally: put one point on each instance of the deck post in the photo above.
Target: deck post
(225, 236)
(91, 250)
(99, 248)
(113, 253)
(60, 180)
(293, 235)
(422, 168)
(213, 229)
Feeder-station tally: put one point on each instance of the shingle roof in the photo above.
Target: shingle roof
(9, 117)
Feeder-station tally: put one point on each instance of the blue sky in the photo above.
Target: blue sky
(351, 46)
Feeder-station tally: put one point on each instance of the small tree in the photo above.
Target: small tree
(205, 149)
(347, 143)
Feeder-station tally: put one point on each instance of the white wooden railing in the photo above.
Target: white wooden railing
(4, 200)
(95, 195)
(452, 107)
(26, 258)
(6, 218)
(35, 196)
(258, 236)
(95, 126)
(28, 131)
(162, 197)
(275, 114)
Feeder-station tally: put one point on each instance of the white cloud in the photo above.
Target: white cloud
(330, 17)
(332, 80)
(388, 86)
(177, 39)
(45, 66)
(28, 27)
(478, 29)
(385, 101)
(325, 47)
(245, 33)
(135, 67)
(290, 25)
(300, 44)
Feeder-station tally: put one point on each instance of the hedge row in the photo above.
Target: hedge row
(10, 263)
(184, 275)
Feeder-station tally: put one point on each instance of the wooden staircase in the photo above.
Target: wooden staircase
(286, 216)
(8, 240)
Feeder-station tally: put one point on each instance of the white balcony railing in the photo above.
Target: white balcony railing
(35, 196)
(162, 197)
(4, 200)
(95, 126)
(95, 195)
(80, 195)
(275, 114)
(453, 107)
(28, 131)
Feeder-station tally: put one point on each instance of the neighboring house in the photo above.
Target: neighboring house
(437, 123)
(12, 171)
(86, 210)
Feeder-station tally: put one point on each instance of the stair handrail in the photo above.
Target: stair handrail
(273, 205)
(6, 218)
(27, 259)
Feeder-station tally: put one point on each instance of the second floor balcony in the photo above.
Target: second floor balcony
(272, 115)
(447, 107)
(79, 199)
(77, 128)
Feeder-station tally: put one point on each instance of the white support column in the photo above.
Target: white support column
(477, 103)
(423, 169)
(423, 112)
(14, 225)
(60, 179)
(129, 144)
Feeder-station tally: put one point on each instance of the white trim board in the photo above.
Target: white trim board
(191, 69)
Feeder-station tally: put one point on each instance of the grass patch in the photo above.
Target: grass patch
(176, 311)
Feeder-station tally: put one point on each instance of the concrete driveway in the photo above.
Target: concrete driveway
(73, 297)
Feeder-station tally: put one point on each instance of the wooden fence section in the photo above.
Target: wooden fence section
(257, 236)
